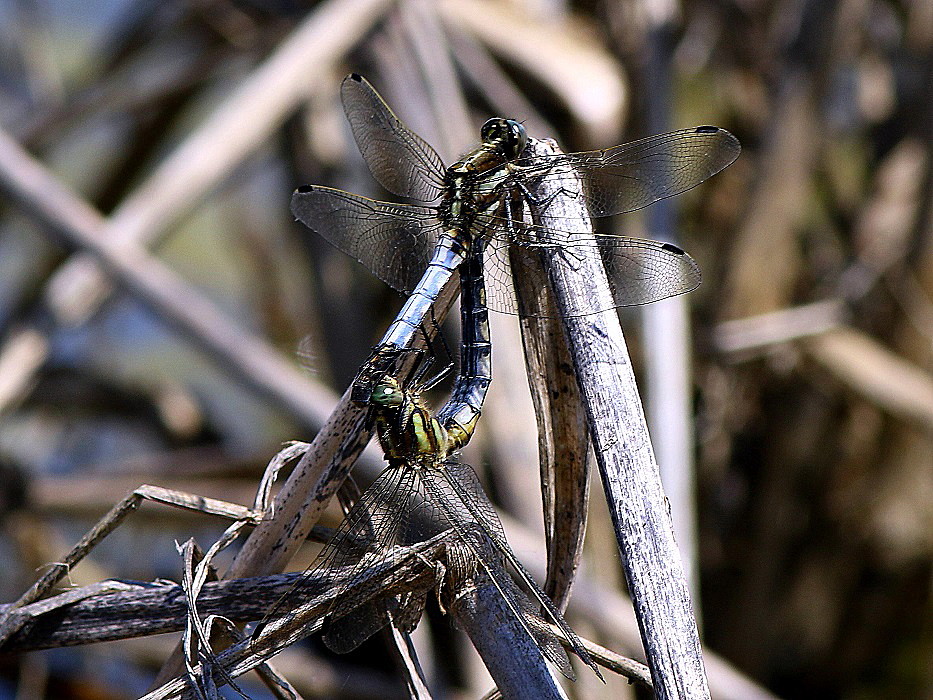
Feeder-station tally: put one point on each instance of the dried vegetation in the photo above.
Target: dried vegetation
(153, 291)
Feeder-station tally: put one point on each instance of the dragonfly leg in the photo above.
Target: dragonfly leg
(433, 338)
(383, 361)
(542, 203)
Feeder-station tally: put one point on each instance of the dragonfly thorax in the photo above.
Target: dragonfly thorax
(407, 431)
(474, 183)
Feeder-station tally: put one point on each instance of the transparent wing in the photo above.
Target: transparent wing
(342, 634)
(371, 527)
(618, 179)
(365, 539)
(462, 480)
(399, 159)
(456, 490)
(378, 523)
(394, 241)
(633, 175)
(640, 271)
(392, 513)
(523, 608)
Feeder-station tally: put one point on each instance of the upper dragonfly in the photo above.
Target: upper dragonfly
(471, 204)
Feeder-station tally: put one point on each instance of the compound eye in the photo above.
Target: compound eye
(386, 395)
(491, 130)
(518, 138)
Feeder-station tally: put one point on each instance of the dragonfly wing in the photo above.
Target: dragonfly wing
(392, 512)
(633, 175)
(457, 493)
(641, 271)
(544, 637)
(466, 489)
(410, 610)
(394, 241)
(345, 633)
(497, 276)
(526, 614)
(362, 541)
(368, 535)
(512, 262)
(398, 158)
(461, 479)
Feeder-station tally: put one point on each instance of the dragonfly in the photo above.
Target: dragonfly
(461, 210)
(422, 493)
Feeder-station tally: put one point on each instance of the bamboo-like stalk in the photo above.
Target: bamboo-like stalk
(627, 465)
(114, 610)
(507, 650)
(563, 436)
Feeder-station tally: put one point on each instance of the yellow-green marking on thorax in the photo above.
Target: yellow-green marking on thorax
(407, 431)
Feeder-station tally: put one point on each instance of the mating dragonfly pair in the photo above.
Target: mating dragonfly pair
(479, 224)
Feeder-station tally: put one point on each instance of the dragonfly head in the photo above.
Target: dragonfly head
(387, 393)
(507, 135)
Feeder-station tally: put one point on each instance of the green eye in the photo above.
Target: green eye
(386, 395)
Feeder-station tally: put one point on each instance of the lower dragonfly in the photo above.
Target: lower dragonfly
(471, 206)
(419, 495)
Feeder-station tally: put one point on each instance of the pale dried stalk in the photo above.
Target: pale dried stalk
(630, 475)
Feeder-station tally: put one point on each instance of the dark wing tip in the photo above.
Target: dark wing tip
(257, 630)
(356, 77)
(671, 248)
(304, 189)
(729, 147)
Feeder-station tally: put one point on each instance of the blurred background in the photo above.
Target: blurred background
(804, 495)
